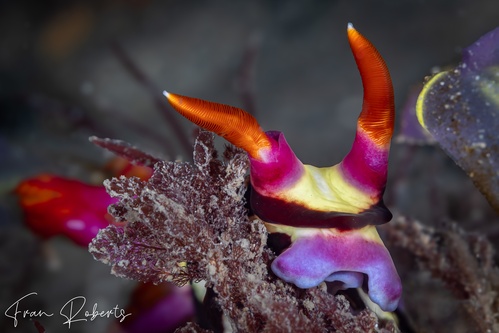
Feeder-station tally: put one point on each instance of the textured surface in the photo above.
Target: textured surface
(188, 222)
(460, 108)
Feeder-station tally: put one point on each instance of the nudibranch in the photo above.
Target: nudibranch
(328, 215)
(55, 205)
(460, 107)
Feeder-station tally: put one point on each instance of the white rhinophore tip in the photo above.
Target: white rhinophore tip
(166, 93)
(350, 26)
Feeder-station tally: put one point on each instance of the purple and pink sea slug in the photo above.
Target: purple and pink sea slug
(328, 215)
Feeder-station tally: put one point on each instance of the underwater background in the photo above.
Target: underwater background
(73, 69)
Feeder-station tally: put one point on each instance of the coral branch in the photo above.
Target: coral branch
(126, 151)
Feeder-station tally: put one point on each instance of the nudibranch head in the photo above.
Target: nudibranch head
(328, 214)
(54, 206)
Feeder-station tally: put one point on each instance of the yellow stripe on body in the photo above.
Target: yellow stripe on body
(369, 232)
(326, 190)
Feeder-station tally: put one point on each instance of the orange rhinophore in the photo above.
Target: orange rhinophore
(378, 109)
(235, 125)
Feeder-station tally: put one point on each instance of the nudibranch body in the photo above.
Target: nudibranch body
(459, 108)
(328, 214)
(55, 205)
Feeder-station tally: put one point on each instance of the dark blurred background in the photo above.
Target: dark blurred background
(72, 69)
